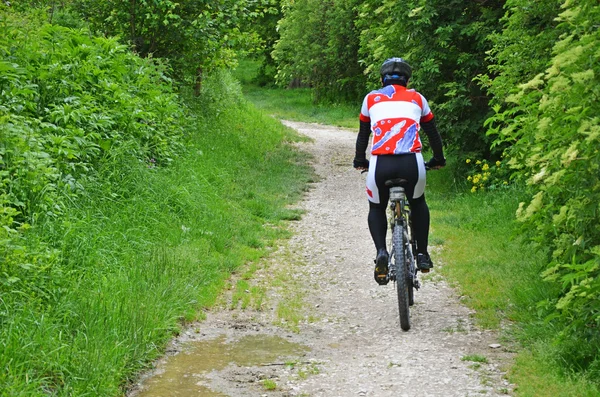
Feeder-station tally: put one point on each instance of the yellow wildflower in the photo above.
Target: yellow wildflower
(485, 167)
(468, 161)
(478, 162)
(498, 163)
(473, 189)
(469, 178)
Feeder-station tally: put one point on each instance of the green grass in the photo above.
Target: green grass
(476, 358)
(536, 376)
(484, 255)
(139, 258)
(294, 104)
(482, 250)
(269, 384)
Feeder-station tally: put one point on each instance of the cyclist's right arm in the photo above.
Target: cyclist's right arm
(362, 141)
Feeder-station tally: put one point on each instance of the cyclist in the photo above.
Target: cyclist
(395, 115)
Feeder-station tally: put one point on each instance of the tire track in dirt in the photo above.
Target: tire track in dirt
(350, 324)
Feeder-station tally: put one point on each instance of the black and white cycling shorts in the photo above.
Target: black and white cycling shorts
(409, 166)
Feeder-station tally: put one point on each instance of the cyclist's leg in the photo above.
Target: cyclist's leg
(420, 227)
(382, 169)
(411, 167)
(420, 218)
(420, 222)
(378, 224)
(378, 195)
(414, 166)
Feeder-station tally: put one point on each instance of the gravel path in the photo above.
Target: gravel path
(350, 324)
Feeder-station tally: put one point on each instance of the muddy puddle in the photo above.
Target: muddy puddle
(184, 374)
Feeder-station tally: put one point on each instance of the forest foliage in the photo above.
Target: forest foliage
(548, 124)
(87, 87)
(337, 48)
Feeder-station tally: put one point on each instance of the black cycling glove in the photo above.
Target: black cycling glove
(360, 163)
(433, 163)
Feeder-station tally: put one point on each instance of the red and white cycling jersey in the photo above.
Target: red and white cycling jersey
(395, 114)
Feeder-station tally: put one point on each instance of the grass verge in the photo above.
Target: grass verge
(498, 273)
(140, 257)
(294, 104)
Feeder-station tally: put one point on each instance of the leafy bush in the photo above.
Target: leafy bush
(69, 103)
(552, 127)
(319, 48)
(196, 37)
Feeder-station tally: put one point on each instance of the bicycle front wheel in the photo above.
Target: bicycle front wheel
(401, 276)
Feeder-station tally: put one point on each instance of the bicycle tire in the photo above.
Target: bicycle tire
(401, 277)
(411, 277)
(411, 291)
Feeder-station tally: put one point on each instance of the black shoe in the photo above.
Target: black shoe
(381, 267)
(424, 263)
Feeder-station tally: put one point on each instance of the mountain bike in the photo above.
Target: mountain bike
(403, 267)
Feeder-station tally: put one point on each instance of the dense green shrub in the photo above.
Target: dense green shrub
(551, 128)
(263, 26)
(69, 103)
(337, 48)
(319, 48)
(55, 12)
(195, 36)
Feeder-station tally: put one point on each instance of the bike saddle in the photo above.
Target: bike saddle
(396, 182)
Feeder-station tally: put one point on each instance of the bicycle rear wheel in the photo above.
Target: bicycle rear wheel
(411, 274)
(402, 286)
(411, 292)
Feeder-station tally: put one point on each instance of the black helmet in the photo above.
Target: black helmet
(394, 68)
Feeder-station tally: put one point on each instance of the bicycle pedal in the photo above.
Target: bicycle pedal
(381, 279)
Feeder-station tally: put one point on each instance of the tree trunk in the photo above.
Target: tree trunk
(132, 24)
(198, 82)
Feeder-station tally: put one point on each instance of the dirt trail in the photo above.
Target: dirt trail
(350, 324)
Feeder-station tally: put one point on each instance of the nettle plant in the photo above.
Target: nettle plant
(554, 131)
(72, 101)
